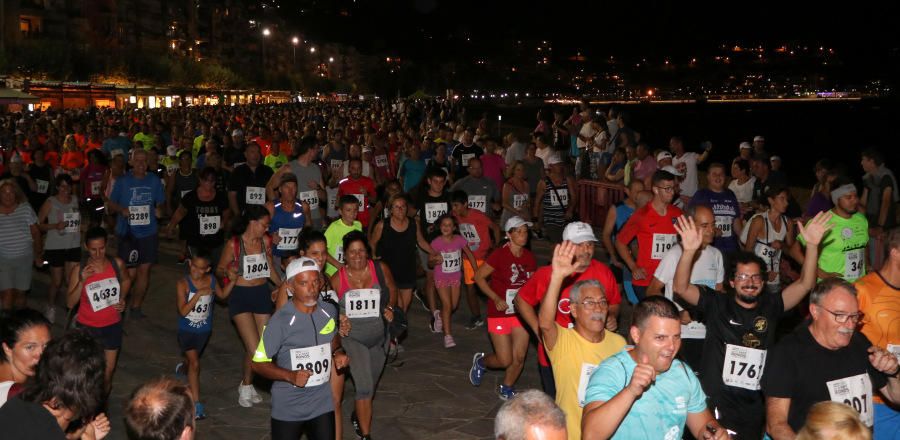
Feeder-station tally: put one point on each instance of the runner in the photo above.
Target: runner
(289, 217)
(302, 340)
(725, 207)
(464, 151)
(359, 186)
(310, 186)
(349, 209)
(382, 208)
(194, 299)
(430, 202)
(248, 257)
(516, 201)
(482, 191)
(60, 218)
(769, 233)
(616, 217)
(99, 288)
(558, 197)
(203, 215)
(482, 234)
(509, 267)
(452, 247)
(248, 181)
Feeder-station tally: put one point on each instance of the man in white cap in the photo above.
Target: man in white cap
(582, 237)
(746, 151)
(663, 158)
(759, 145)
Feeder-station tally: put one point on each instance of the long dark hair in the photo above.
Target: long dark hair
(251, 213)
(16, 323)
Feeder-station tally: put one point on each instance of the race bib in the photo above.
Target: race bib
(469, 232)
(363, 303)
(361, 198)
(256, 195)
(336, 164)
(210, 224)
(103, 293)
(72, 220)
(339, 253)
(95, 188)
(853, 264)
(855, 391)
(585, 377)
(311, 198)
(770, 255)
(693, 330)
(290, 238)
(743, 367)
(661, 244)
(519, 200)
(894, 350)
(724, 224)
(171, 168)
(139, 215)
(42, 186)
(316, 360)
(511, 301)
(381, 161)
(479, 203)
(434, 210)
(562, 199)
(452, 261)
(466, 158)
(256, 266)
(200, 312)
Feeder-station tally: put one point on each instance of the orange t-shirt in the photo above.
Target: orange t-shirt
(72, 160)
(880, 304)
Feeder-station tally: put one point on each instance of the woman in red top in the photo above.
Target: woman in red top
(98, 290)
(509, 267)
(72, 158)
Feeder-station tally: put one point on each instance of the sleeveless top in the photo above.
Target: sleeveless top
(70, 236)
(242, 252)
(555, 211)
(519, 200)
(288, 225)
(762, 248)
(199, 319)
(370, 331)
(98, 295)
(623, 213)
(398, 250)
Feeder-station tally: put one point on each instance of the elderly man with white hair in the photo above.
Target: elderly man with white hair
(531, 415)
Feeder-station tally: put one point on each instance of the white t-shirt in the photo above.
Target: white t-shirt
(709, 269)
(588, 131)
(545, 155)
(516, 151)
(690, 184)
(744, 193)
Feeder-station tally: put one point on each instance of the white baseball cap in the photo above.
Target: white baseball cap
(300, 265)
(745, 146)
(672, 170)
(774, 158)
(578, 232)
(514, 222)
(759, 139)
(663, 155)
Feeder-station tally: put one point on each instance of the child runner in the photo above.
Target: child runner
(451, 246)
(348, 207)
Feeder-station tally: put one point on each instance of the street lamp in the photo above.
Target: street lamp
(295, 41)
(265, 33)
(312, 50)
(330, 59)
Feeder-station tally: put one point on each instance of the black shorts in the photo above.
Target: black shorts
(136, 251)
(192, 341)
(250, 299)
(110, 336)
(59, 257)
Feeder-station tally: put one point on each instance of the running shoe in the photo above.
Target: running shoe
(355, 422)
(254, 395)
(438, 325)
(418, 295)
(506, 392)
(475, 322)
(245, 398)
(449, 342)
(179, 370)
(199, 411)
(476, 373)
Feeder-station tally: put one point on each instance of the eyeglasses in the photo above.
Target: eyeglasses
(746, 276)
(592, 305)
(841, 318)
(666, 188)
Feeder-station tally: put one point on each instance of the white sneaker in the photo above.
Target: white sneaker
(245, 396)
(50, 313)
(254, 396)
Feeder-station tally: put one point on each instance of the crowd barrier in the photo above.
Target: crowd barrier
(595, 198)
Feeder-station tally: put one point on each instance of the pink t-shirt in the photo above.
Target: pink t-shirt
(493, 166)
(452, 254)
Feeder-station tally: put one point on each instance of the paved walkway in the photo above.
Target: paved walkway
(425, 394)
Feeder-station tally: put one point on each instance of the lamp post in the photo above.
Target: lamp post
(295, 41)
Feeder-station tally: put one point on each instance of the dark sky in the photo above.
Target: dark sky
(429, 28)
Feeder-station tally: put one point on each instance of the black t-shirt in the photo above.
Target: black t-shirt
(729, 323)
(244, 177)
(39, 174)
(20, 420)
(461, 155)
(203, 225)
(798, 368)
(234, 155)
(430, 208)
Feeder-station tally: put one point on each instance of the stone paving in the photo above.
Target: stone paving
(425, 394)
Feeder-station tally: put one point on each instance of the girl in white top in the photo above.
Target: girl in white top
(769, 233)
(742, 182)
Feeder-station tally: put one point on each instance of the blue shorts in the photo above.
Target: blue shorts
(250, 299)
(188, 341)
(110, 336)
(887, 422)
(136, 251)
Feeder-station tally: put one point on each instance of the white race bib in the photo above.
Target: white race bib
(171, 168)
(316, 360)
(336, 164)
(210, 224)
(452, 261)
(856, 392)
(362, 201)
(290, 238)
(770, 255)
(200, 312)
(585, 376)
(103, 293)
(693, 330)
(434, 210)
(256, 266)
(511, 301)
(853, 264)
(139, 215)
(256, 195)
(339, 253)
(381, 161)
(743, 367)
(469, 232)
(42, 186)
(72, 220)
(724, 224)
(466, 158)
(661, 244)
(363, 303)
(894, 350)
(563, 194)
(95, 188)
(479, 203)
(519, 200)
(311, 198)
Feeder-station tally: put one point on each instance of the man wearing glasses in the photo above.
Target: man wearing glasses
(741, 323)
(827, 360)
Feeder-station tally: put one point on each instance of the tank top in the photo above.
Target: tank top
(623, 213)
(519, 200)
(70, 236)
(762, 248)
(398, 250)
(98, 295)
(199, 319)
(288, 225)
(262, 265)
(555, 209)
(364, 307)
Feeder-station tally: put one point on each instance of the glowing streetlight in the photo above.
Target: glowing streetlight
(312, 50)
(330, 59)
(266, 32)
(295, 41)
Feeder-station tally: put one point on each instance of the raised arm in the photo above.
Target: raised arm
(812, 234)
(691, 239)
(563, 266)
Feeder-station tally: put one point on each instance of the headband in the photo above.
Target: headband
(842, 191)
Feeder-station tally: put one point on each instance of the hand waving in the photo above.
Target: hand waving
(816, 228)
(564, 259)
(691, 237)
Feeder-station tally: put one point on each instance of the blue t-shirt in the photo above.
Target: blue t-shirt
(132, 192)
(116, 143)
(662, 410)
(412, 172)
(725, 208)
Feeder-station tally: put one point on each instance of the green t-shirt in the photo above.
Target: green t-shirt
(275, 162)
(335, 236)
(149, 141)
(843, 248)
(198, 144)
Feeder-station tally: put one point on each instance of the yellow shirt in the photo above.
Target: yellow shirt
(880, 304)
(573, 359)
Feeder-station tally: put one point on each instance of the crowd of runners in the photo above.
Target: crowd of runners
(724, 306)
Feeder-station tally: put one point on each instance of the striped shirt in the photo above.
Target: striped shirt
(15, 232)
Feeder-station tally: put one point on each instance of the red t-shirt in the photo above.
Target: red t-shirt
(363, 188)
(475, 227)
(510, 273)
(264, 145)
(534, 290)
(102, 296)
(655, 235)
